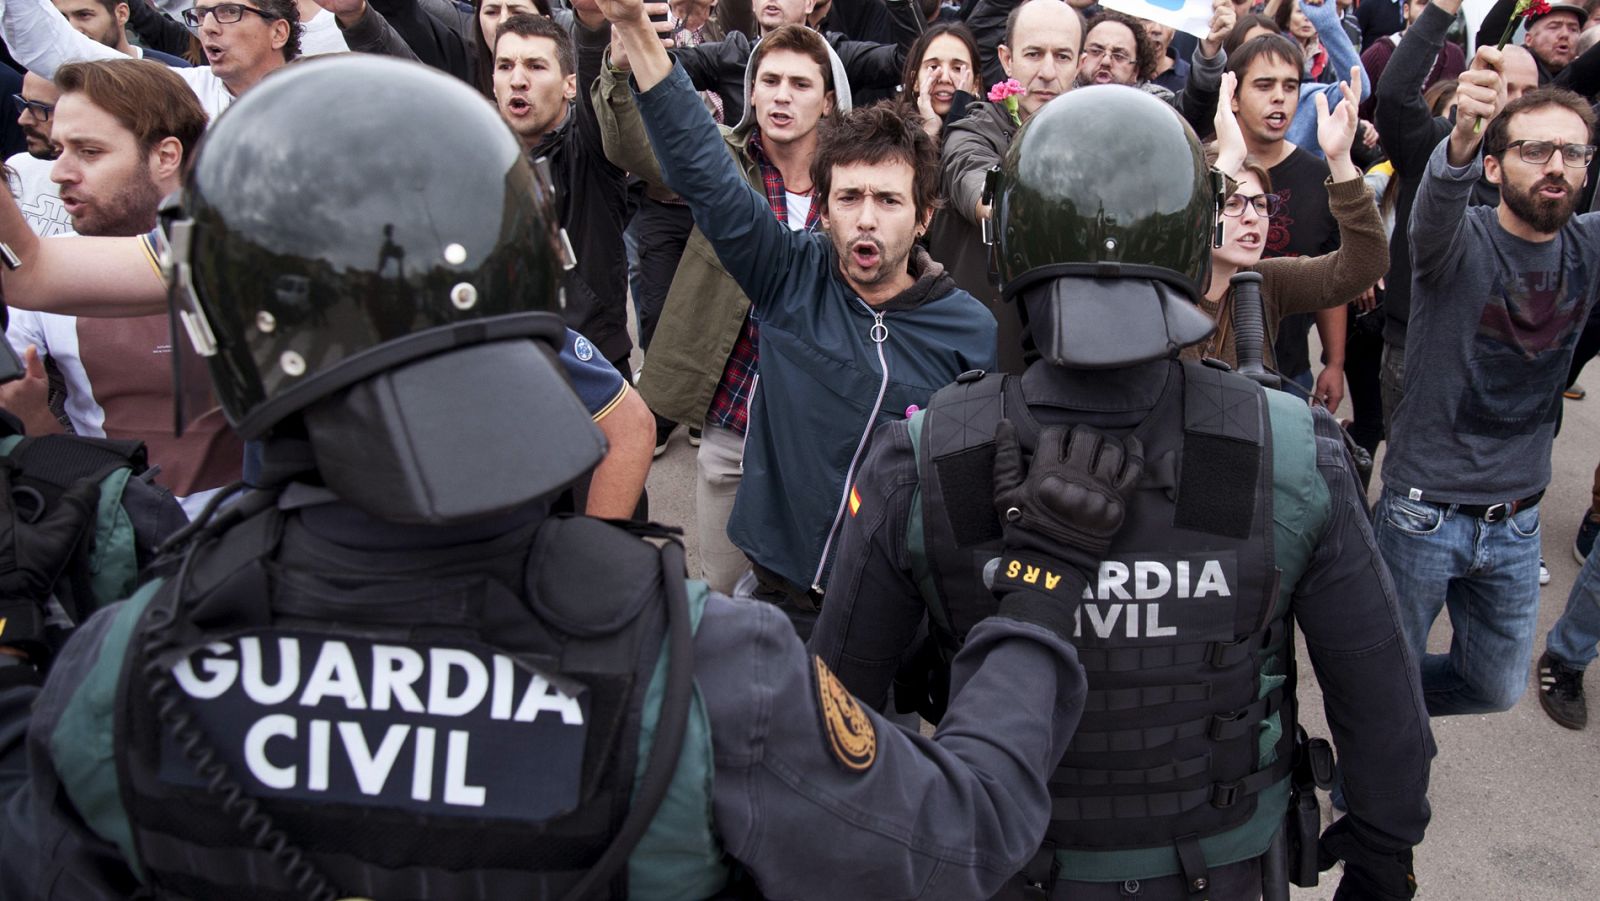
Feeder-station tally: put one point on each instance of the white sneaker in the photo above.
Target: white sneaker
(1544, 573)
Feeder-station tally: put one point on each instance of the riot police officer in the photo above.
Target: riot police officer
(1247, 518)
(390, 674)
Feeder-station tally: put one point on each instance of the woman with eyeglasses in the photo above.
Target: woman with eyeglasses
(1289, 284)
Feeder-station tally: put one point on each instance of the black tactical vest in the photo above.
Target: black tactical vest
(294, 733)
(1175, 631)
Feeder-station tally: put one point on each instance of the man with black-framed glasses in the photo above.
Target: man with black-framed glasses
(1117, 50)
(1499, 296)
(37, 196)
(243, 41)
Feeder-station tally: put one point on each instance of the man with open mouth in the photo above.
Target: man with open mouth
(1268, 69)
(856, 327)
(1499, 297)
(243, 41)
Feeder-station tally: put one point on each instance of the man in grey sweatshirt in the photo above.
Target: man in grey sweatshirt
(1499, 295)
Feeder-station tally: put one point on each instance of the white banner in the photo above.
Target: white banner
(1192, 16)
(1475, 10)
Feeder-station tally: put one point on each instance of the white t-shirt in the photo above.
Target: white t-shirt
(798, 207)
(321, 34)
(38, 196)
(41, 41)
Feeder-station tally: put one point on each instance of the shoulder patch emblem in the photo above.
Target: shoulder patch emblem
(582, 349)
(848, 730)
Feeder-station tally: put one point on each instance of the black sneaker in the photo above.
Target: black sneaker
(663, 435)
(1587, 530)
(1561, 692)
(694, 437)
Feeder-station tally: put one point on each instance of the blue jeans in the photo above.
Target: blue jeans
(1487, 574)
(1573, 638)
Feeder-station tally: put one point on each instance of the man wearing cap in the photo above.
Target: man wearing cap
(1551, 36)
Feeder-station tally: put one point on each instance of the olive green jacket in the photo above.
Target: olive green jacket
(705, 307)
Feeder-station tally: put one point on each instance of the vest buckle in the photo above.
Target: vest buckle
(1223, 794)
(1227, 653)
(1223, 725)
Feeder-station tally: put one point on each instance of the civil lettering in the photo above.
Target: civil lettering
(385, 750)
(1104, 621)
(255, 750)
(422, 766)
(1152, 623)
(271, 671)
(456, 789)
(372, 767)
(317, 757)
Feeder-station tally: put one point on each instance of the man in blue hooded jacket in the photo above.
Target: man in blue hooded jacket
(858, 327)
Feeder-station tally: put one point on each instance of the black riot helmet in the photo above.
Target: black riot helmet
(1105, 211)
(392, 290)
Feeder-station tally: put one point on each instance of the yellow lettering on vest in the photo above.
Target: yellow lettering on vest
(1051, 580)
(1013, 569)
(1031, 576)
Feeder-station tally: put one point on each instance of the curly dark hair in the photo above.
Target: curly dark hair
(880, 133)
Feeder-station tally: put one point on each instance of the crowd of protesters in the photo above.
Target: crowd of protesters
(1424, 201)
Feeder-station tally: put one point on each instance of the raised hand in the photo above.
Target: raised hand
(1231, 149)
(1336, 129)
(930, 119)
(1480, 95)
(622, 11)
(1222, 21)
(348, 12)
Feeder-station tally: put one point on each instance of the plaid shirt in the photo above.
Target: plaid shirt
(730, 404)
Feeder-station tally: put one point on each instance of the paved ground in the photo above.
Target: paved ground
(1516, 799)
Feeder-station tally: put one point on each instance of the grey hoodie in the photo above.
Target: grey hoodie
(841, 86)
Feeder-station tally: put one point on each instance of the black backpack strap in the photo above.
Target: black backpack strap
(60, 460)
(667, 745)
(960, 426)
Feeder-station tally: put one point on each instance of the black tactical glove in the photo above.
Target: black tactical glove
(1072, 498)
(1058, 518)
(33, 556)
(1370, 874)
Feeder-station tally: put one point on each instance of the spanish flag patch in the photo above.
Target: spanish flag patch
(855, 501)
